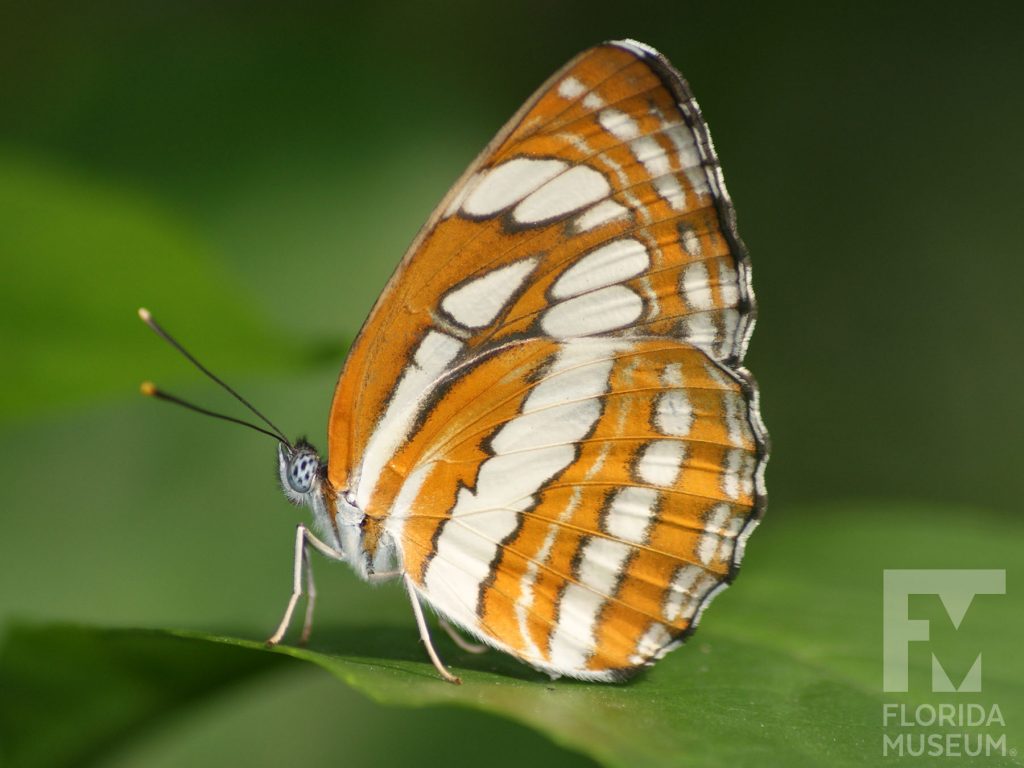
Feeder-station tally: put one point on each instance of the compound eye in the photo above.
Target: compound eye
(301, 472)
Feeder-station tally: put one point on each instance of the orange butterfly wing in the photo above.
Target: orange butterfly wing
(544, 415)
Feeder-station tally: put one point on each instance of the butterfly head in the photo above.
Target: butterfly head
(301, 471)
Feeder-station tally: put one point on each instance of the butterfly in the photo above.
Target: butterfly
(544, 430)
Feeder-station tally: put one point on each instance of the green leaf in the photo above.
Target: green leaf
(786, 669)
(70, 694)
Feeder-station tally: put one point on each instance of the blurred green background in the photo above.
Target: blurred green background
(253, 172)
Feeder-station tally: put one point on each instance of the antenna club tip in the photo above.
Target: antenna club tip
(148, 388)
(144, 315)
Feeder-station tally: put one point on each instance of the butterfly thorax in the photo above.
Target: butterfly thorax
(336, 515)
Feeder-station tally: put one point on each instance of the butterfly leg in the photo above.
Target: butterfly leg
(417, 610)
(307, 622)
(466, 645)
(303, 539)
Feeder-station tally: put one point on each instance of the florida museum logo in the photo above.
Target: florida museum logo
(955, 719)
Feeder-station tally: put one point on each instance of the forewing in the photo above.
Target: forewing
(599, 210)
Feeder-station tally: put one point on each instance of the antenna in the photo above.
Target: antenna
(150, 390)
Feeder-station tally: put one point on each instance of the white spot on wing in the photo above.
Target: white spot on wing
(480, 520)
(691, 243)
(689, 588)
(653, 306)
(463, 559)
(653, 640)
(574, 634)
(618, 124)
(476, 303)
(433, 355)
(725, 550)
(735, 423)
(655, 160)
(714, 529)
(600, 311)
(593, 101)
(621, 176)
(604, 212)
(549, 425)
(679, 590)
(728, 283)
(460, 196)
(613, 263)
(699, 330)
(673, 414)
(689, 158)
(601, 563)
(747, 481)
(729, 534)
(570, 88)
(526, 584)
(648, 151)
(672, 376)
(508, 183)
(685, 144)
(395, 522)
(630, 513)
(731, 475)
(661, 461)
(670, 190)
(696, 287)
(730, 321)
(576, 188)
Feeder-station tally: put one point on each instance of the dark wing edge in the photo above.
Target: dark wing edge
(746, 306)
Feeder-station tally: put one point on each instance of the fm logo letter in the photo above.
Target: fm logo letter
(956, 589)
